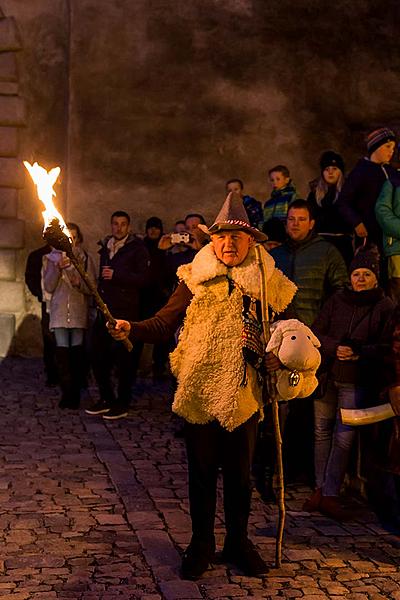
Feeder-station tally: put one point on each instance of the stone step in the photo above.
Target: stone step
(7, 265)
(8, 66)
(8, 202)
(11, 234)
(7, 330)
(11, 296)
(12, 111)
(9, 36)
(8, 141)
(11, 173)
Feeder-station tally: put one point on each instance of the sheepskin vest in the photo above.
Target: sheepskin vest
(208, 361)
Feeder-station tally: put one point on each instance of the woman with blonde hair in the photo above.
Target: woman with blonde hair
(324, 192)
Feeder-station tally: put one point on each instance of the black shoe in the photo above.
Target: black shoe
(98, 409)
(195, 562)
(246, 557)
(116, 413)
(69, 403)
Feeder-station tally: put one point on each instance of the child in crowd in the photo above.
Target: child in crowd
(252, 206)
(283, 193)
(358, 196)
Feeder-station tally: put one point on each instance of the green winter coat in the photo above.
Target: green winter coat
(387, 211)
(318, 270)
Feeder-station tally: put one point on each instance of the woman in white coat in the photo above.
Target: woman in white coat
(68, 305)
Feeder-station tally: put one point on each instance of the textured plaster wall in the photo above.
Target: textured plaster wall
(150, 105)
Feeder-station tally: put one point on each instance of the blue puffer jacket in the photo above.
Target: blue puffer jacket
(387, 210)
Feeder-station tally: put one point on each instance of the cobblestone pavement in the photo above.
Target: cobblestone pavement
(91, 510)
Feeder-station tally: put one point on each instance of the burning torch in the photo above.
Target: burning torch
(57, 235)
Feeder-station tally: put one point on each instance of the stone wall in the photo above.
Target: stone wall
(151, 106)
(12, 118)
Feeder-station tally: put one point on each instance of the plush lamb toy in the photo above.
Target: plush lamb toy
(296, 347)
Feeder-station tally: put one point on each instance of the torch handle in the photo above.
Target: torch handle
(98, 299)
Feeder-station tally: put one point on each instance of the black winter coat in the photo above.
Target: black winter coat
(131, 265)
(358, 196)
(361, 320)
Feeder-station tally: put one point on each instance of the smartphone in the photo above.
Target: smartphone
(180, 238)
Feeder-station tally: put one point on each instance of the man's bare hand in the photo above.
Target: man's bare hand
(165, 242)
(107, 273)
(120, 331)
(272, 362)
(346, 353)
(394, 397)
(361, 230)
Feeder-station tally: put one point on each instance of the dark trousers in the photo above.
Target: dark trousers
(107, 354)
(209, 447)
(49, 347)
(296, 420)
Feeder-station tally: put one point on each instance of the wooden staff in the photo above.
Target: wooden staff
(271, 388)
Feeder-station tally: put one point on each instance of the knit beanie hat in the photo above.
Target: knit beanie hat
(365, 259)
(154, 222)
(378, 137)
(331, 159)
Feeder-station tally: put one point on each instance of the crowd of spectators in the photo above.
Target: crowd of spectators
(340, 246)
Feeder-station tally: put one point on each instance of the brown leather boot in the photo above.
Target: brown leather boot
(312, 503)
(330, 507)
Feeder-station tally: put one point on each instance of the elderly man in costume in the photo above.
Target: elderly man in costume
(219, 363)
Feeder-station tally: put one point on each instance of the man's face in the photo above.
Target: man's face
(299, 224)
(234, 186)
(331, 175)
(153, 233)
(74, 237)
(119, 227)
(180, 228)
(231, 246)
(191, 223)
(384, 153)
(278, 180)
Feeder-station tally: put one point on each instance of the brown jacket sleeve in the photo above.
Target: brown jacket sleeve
(166, 321)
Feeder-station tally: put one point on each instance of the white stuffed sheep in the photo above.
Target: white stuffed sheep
(296, 347)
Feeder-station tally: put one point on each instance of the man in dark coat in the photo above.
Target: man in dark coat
(124, 271)
(33, 278)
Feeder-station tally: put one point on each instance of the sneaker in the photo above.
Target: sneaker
(98, 409)
(195, 561)
(246, 557)
(116, 413)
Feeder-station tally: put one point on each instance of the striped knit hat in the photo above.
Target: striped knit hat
(378, 137)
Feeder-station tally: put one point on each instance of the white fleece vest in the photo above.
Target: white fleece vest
(208, 361)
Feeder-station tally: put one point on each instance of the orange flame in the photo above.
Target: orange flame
(44, 181)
